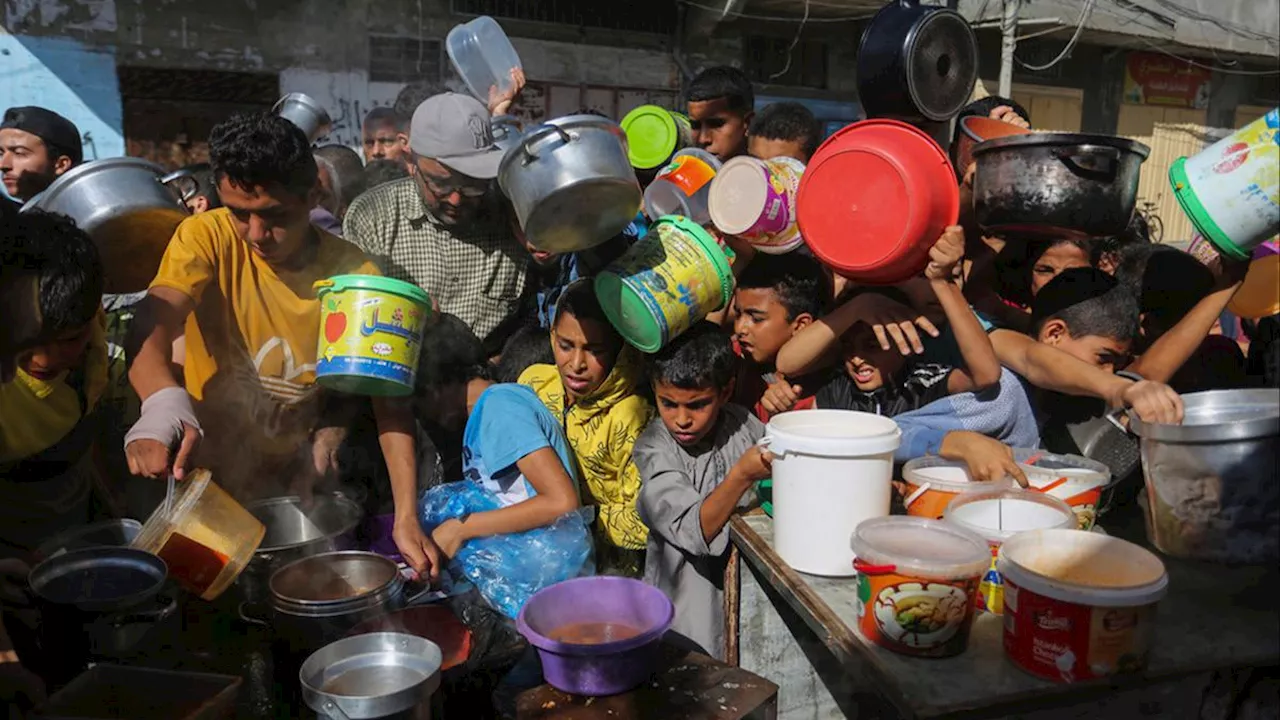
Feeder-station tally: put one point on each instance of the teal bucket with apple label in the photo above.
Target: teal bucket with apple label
(370, 334)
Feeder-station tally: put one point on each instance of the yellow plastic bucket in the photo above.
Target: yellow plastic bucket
(666, 282)
(370, 334)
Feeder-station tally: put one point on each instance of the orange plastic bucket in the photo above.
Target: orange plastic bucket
(875, 198)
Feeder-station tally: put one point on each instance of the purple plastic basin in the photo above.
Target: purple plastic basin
(377, 532)
(606, 668)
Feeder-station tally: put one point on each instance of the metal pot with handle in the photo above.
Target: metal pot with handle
(1213, 484)
(302, 110)
(916, 62)
(127, 208)
(571, 183)
(375, 675)
(295, 532)
(1057, 184)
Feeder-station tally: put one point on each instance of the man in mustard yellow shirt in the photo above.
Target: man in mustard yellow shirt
(237, 283)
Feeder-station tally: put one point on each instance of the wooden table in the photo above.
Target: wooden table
(687, 686)
(800, 631)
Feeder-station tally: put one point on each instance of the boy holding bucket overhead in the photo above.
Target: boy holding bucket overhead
(237, 282)
(698, 464)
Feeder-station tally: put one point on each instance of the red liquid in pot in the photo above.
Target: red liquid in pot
(194, 564)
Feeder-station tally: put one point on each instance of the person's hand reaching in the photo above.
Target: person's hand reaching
(500, 101)
(780, 396)
(755, 464)
(1004, 113)
(988, 459)
(946, 254)
(892, 320)
(1153, 402)
(420, 552)
(450, 536)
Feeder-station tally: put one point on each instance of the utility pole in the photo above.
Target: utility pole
(1008, 43)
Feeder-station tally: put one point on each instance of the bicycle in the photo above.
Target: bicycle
(1155, 226)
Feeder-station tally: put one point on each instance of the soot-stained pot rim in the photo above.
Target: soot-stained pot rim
(1049, 139)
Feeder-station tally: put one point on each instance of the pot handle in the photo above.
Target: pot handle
(1090, 159)
(332, 711)
(535, 135)
(178, 175)
(150, 616)
(245, 611)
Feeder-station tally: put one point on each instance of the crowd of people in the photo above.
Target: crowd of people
(523, 384)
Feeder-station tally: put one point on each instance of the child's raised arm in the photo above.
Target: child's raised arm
(982, 368)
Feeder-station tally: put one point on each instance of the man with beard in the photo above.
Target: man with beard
(36, 146)
(443, 228)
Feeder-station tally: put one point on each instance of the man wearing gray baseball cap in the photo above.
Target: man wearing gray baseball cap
(444, 227)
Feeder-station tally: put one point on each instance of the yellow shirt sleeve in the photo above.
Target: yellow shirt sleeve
(188, 263)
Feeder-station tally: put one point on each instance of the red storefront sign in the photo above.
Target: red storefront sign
(1157, 79)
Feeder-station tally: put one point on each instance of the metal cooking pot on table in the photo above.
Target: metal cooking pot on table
(1057, 184)
(376, 675)
(916, 62)
(1213, 483)
(571, 183)
(294, 532)
(126, 207)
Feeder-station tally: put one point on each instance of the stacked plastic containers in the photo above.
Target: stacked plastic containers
(483, 56)
(683, 187)
(756, 200)
(654, 135)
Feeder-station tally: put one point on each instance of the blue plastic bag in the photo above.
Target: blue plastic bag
(509, 569)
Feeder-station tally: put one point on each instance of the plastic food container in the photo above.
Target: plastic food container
(1078, 605)
(370, 334)
(932, 483)
(1076, 480)
(207, 538)
(669, 280)
(917, 581)
(756, 200)
(597, 635)
(999, 515)
(654, 134)
(683, 186)
(483, 56)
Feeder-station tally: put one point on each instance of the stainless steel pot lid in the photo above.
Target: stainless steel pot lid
(1218, 416)
(1042, 139)
(333, 578)
(289, 525)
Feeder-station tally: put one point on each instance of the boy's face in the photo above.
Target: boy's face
(764, 148)
(718, 129)
(761, 326)
(865, 362)
(585, 352)
(65, 351)
(1060, 257)
(689, 415)
(26, 165)
(1105, 353)
(273, 221)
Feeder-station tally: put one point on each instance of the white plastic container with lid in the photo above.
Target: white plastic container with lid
(917, 583)
(482, 55)
(1074, 479)
(1079, 605)
(683, 186)
(933, 482)
(998, 516)
(832, 469)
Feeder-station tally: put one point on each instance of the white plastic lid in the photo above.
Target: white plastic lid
(738, 195)
(998, 516)
(922, 547)
(947, 475)
(1043, 468)
(832, 433)
(1084, 568)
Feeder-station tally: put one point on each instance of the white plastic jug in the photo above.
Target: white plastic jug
(832, 469)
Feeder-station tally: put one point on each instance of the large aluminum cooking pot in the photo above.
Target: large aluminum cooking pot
(303, 110)
(128, 210)
(1057, 184)
(916, 62)
(375, 675)
(1213, 488)
(295, 532)
(571, 183)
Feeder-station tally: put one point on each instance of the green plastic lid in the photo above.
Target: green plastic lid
(626, 309)
(339, 283)
(652, 136)
(1199, 215)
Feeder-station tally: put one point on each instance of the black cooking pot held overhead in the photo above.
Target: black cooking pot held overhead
(916, 62)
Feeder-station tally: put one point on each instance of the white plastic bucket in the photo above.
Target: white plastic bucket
(832, 469)
(933, 482)
(1231, 189)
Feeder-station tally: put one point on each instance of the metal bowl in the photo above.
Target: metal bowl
(1213, 483)
(370, 676)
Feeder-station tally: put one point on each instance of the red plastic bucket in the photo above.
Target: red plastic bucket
(874, 199)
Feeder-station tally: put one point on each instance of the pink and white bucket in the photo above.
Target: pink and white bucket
(756, 200)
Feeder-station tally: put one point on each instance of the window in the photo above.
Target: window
(767, 56)
(655, 16)
(403, 59)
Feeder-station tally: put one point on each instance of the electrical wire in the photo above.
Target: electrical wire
(1085, 14)
(778, 18)
(1189, 61)
(794, 41)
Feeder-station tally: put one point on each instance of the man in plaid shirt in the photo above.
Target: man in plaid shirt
(444, 228)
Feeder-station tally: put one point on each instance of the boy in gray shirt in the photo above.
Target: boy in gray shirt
(698, 464)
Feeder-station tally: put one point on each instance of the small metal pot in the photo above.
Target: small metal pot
(376, 675)
(916, 62)
(571, 183)
(125, 205)
(303, 110)
(102, 579)
(294, 533)
(1057, 184)
(1213, 484)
